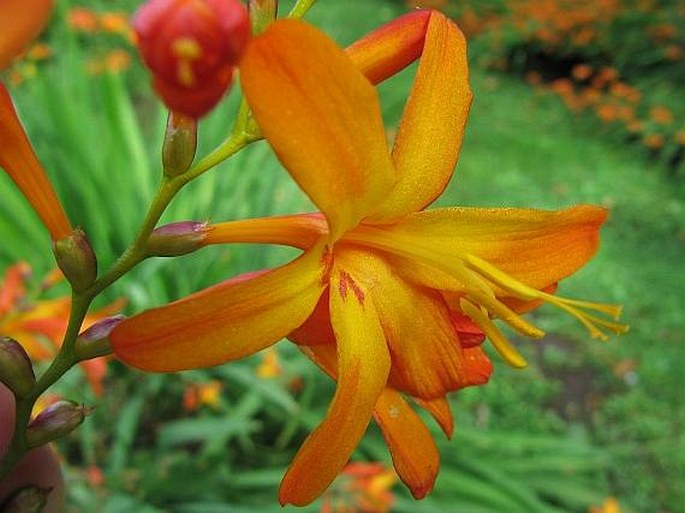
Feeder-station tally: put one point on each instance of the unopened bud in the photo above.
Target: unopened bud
(30, 499)
(180, 143)
(176, 239)
(262, 14)
(55, 421)
(192, 48)
(94, 341)
(76, 260)
(16, 371)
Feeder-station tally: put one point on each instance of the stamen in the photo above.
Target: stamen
(505, 349)
(572, 306)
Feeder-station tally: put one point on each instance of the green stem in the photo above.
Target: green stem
(301, 8)
(134, 254)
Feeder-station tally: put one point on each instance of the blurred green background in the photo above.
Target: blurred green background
(587, 421)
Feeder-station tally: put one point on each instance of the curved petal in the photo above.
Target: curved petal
(322, 118)
(427, 358)
(390, 48)
(317, 329)
(363, 365)
(19, 160)
(440, 410)
(432, 128)
(411, 445)
(20, 22)
(300, 231)
(224, 322)
(537, 247)
(414, 454)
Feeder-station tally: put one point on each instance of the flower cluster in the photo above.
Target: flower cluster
(619, 60)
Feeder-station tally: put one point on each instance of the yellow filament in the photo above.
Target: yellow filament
(505, 349)
(571, 306)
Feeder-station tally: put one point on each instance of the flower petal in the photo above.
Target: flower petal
(391, 47)
(19, 160)
(20, 22)
(224, 322)
(537, 247)
(441, 411)
(432, 128)
(299, 231)
(363, 365)
(317, 329)
(322, 118)
(427, 358)
(411, 445)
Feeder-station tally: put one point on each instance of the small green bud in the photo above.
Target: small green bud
(180, 143)
(76, 260)
(29, 499)
(176, 239)
(94, 341)
(55, 421)
(16, 370)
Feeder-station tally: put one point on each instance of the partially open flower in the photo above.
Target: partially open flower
(192, 47)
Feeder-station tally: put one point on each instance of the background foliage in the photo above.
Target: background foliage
(584, 422)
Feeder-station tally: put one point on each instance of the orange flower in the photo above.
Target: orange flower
(20, 22)
(387, 298)
(661, 115)
(361, 488)
(581, 72)
(610, 505)
(39, 325)
(115, 23)
(269, 367)
(82, 20)
(679, 137)
(19, 160)
(654, 141)
(202, 394)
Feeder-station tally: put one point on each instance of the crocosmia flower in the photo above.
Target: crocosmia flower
(20, 22)
(192, 48)
(39, 324)
(389, 298)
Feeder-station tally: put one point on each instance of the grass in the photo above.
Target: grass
(525, 441)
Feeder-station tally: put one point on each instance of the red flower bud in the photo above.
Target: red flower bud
(192, 47)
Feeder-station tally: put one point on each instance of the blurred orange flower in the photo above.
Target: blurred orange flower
(661, 115)
(82, 19)
(610, 505)
(361, 488)
(39, 325)
(202, 394)
(269, 367)
(581, 72)
(654, 141)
